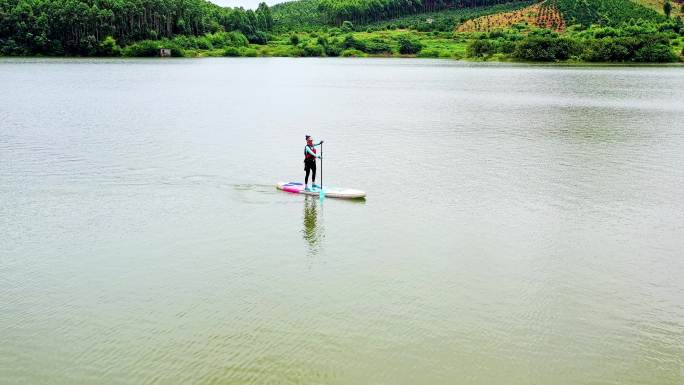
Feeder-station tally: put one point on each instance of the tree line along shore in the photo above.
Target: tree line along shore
(619, 31)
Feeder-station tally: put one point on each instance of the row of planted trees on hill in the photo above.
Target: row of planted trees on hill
(366, 11)
(79, 26)
(604, 12)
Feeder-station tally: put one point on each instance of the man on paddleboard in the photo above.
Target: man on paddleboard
(310, 162)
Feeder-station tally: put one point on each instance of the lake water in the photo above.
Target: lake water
(524, 224)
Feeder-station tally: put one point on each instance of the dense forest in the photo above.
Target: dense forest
(78, 27)
(546, 30)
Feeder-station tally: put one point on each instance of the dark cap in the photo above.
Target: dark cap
(308, 137)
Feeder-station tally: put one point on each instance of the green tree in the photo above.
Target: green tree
(607, 49)
(350, 42)
(313, 49)
(264, 17)
(409, 46)
(377, 45)
(294, 39)
(667, 8)
(108, 47)
(545, 48)
(481, 48)
(231, 52)
(655, 53)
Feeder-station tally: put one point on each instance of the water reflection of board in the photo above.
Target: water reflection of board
(332, 192)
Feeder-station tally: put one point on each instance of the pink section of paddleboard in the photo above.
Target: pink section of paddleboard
(292, 189)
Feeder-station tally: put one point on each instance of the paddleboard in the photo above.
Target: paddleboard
(331, 192)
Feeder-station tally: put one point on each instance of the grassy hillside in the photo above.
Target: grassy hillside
(308, 14)
(445, 20)
(604, 12)
(557, 14)
(553, 14)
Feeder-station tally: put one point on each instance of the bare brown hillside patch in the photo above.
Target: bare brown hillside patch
(541, 15)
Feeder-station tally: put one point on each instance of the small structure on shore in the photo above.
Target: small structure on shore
(165, 52)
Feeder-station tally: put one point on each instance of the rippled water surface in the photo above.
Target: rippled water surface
(524, 224)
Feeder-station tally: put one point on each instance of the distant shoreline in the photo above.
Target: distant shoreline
(567, 63)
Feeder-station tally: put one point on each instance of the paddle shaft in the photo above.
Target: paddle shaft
(321, 166)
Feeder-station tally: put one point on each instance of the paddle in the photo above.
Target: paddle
(321, 194)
